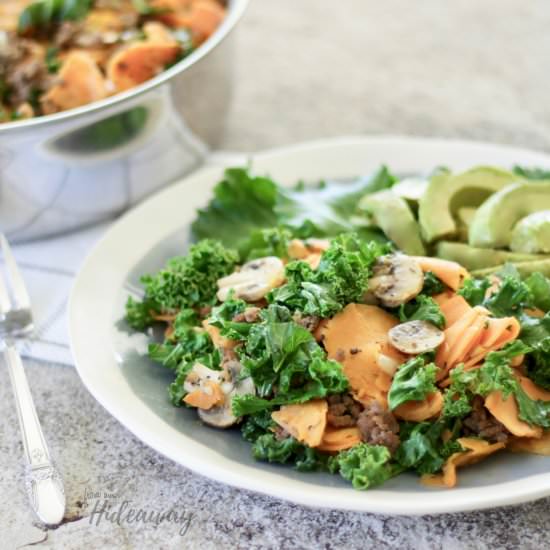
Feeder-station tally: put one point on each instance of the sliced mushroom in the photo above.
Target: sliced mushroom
(415, 337)
(200, 377)
(396, 279)
(254, 280)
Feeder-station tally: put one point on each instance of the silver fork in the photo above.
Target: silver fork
(42, 479)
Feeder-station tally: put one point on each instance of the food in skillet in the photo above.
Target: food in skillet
(60, 54)
(329, 348)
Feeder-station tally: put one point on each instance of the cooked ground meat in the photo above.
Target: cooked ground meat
(204, 311)
(66, 33)
(343, 410)
(309, 322)
(378, 426)
(480, 422)
(249, 315)
(22, 69)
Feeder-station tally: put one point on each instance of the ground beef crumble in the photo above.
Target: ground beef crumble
(481, 423)
(343, 411)
(309, 322)
(249, 315)
(378, 426)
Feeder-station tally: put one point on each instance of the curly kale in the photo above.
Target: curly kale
(413, 381)
(340, 279)
(286, 364)
(186, 282)
(422, 308)
(366, 466)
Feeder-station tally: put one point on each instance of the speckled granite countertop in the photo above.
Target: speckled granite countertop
(306, 70)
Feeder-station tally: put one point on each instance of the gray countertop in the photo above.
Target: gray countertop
(305, 70)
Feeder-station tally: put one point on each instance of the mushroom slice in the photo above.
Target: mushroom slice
(254, 280)
(415, 337)
(396, 279)
(222, 416)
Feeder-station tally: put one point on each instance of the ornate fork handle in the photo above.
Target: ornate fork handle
(42, 479)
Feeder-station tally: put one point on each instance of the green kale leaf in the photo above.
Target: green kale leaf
(244, 203)
(422, 446)
(432, 284)
(341, 277)
(474, 290)
(413, 381)
(539, 285)
(366, 466)
(270, 449)
(186, 281)
(41, 14)
(422, 308)
(497, 375)
(286, 364)
(531, 173)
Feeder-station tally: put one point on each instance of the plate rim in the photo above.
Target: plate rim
(143, 423)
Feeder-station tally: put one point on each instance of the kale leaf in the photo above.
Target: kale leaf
(422, 308)
(497, 375)
(341, 277)
(268, 448)
(531, 173)
(244, 203)
(41, 14)
(186, 282)
(432, 284)
(365, 465)
(413, 381)
(535, 332)
(474, 290)
(539, 285)
(422, 446)
(285, 363)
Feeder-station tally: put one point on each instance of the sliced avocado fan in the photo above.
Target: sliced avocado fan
(532, 233)
(495, 219)
(481, 258)
(393, 215)
(446, 193)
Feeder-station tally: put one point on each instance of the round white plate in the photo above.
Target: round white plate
(113, 364)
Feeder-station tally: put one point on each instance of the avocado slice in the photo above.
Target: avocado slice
(393, 215)
(524, 268)
(411, 189)
(446, 193)
(480, 258)
(492, 225)
(532, 233)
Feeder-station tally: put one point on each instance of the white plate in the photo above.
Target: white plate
(113, 366)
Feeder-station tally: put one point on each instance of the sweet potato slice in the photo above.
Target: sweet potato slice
(306, 422)
(157, 32)
(210, 395)
(451, 273)
(476, 450)
(140, 62)
(506, 412)
(335, 440)
(418, 411)
(218, 340)
(537, 446)
(357, 337)
(80, 82)
(453, 308)
(201, 17)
